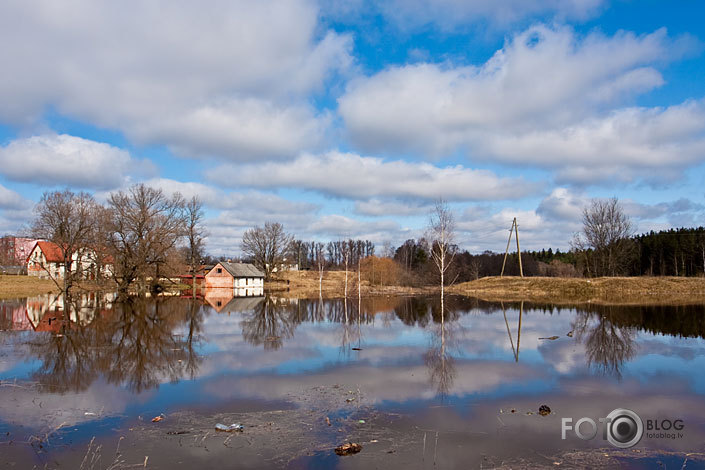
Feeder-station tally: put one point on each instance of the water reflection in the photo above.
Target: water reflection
(132, 343)
(140, 343)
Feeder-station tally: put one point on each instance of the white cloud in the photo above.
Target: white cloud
(548, 98)
(10, 199)
(53, 160)
(245, 130)
(357, 177)
(163, 71)
(377, 207)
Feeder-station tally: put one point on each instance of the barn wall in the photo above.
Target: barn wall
(219, 280)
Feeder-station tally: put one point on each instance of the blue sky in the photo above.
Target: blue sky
(348, 119)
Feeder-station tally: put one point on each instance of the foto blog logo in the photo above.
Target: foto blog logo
(622, 428)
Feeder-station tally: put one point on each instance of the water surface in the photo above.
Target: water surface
(474, 372)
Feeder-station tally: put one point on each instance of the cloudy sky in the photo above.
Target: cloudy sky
(349, 118)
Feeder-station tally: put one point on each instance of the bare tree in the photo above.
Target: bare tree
(145, 226)
(605, 239)
(268, 246)
(194, 235)
(441, 233)
(320, 255)
(66, 219)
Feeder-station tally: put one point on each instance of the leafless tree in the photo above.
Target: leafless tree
(320, 256)
(66, 219)
(268, 246)
(605, 239)
(194, 235)
(145, 226)
(441, 233)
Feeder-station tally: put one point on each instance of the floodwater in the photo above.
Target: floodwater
(456, 387)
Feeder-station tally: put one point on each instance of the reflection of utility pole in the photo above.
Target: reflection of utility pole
(511, 341)
(514, 228)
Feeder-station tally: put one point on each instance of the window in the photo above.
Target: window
(220, 270)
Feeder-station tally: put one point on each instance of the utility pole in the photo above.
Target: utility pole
(514, 228)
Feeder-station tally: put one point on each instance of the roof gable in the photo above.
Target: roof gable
(52, 251)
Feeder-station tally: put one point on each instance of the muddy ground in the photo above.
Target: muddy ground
(300, 433)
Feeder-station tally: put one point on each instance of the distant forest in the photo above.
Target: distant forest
(675, 252)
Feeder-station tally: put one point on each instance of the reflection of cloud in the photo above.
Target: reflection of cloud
(564, 356)
(396, 383)
(22, 406)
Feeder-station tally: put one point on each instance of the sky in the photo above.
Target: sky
(350, 118)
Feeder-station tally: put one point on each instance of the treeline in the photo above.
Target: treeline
(306, 254)
(675, 252)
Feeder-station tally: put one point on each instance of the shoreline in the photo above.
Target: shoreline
(553, 290)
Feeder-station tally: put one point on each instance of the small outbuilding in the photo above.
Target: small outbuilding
(234, 276)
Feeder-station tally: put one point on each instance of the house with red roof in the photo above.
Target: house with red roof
(46, 260)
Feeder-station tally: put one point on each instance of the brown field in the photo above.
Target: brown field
(24, 286)
(304, 284)
(612, 290)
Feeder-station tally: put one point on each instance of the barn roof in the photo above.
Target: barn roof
(242, 269)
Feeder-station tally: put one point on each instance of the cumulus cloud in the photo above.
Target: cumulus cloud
(164, 72)
(65, 160)
(377, 207)
(548, 98)
(357, 177)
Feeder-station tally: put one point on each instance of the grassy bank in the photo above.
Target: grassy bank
(24, 286)
(612, 290)
(304, 284)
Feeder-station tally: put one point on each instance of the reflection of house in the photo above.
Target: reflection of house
(46, 260)
(238, 276)
(46, 311)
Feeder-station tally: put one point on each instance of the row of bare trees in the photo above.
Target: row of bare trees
(141, 232)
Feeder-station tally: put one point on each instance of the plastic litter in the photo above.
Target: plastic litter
(225, 428)
(348, 449)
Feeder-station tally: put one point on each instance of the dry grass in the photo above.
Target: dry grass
(304, 284)
(24, 286)
(612, 290)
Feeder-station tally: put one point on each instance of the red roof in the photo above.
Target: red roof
(52, 252)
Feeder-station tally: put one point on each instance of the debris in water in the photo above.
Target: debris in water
(233, 427)
(570, 334)
(514, 410)
(362, 421)
(551, 337)
(349, 400)
(544, 410)
(357, 349)
(175, 433)
(156, 419)
(89, 413)
(327, 420)
(272, 338)
(348, 449)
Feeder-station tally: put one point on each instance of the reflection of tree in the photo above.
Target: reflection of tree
(441, 365)
(132, 344)
(607, 346)
(269, 323)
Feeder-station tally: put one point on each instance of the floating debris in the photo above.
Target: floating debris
(551, 337)
(357, 349)
(348, 449)
(544, 410)
(570, 334)
(349, 400)
(233, 427)
(176, 433)
(327, 420)
(156, 419)
(362, 421)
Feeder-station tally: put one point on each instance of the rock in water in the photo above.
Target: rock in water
(348, 449)
(544, 410)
